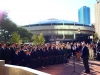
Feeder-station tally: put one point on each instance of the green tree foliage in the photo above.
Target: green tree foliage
(38, 39)
(24, 33)
(95, 37)
(35, 39)
(25, 39)
(8, 25)
(16, 38)
(41, 39)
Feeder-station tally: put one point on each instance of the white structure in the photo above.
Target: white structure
(97, 17)
(61, 29)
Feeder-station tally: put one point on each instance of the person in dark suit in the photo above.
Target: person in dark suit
(43, 55)
(28, 60)
(39, 57)
(2, 51)
(85, 57)
(34, 57)
(8, 54)
(12, 53)
(16, 57)
(47, 56)
(62, 54)
(56, 55)
(22, 56)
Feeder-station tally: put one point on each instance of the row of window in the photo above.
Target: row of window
(47, 24)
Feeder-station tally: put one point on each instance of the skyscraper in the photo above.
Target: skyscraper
(97, 18)
(84, 15)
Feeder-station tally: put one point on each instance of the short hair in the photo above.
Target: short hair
(22, 47)
(2, 43)
(8, 45)
(83, 43)
(16, 49)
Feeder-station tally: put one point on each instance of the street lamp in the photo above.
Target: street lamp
(79, 31)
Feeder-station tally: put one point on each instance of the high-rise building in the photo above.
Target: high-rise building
(84, 15)
(97, 18)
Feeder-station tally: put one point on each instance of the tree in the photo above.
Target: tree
(25, 39)
(35, 39)
(38, 39)
(16, 38)
(24, 33)
(7, 25)
(41, 39)
(95, 37)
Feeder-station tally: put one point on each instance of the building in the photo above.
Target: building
(97, 17)
(84, 15)
(56, 29)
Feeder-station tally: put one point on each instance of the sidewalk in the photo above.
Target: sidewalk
(67, 69)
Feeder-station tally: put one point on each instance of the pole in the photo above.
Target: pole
(79, 31)
(29, 26)
(74, 71)
(63, 30)
(74, 22)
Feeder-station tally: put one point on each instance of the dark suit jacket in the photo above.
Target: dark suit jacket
(22, 55)
(85, 52)
(28, 60)
(7, 56)
(12, 55)
(2, 54)
(34, 55)
(16, 59)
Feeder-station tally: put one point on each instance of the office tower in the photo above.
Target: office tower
(97, 17)
(84, 15)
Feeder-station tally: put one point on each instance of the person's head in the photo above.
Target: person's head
(17, 50)
(27, 52)
(22, 47)
(3, 44)
(91, 45)
(83, 44)
(9, 45)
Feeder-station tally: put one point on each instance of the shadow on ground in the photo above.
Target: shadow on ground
(67, 68)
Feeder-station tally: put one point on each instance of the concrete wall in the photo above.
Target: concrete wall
(2, 62)
(6, 69)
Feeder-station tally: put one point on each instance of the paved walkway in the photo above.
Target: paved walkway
(67, 69)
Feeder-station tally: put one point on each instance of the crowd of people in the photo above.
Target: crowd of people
(41, 56)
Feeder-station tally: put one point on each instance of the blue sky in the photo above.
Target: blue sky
(29, 11)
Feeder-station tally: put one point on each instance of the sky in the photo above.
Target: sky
(24, 12)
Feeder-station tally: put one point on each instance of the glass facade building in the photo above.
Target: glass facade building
(84, 15)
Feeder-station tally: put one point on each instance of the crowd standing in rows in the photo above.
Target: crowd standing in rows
(41, 56)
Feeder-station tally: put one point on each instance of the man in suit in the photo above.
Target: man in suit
(34, 57)
(85, 57)
(8, 54)
(22, 56)
(28, 60)
(16, 60)
(12, 53)
(2, 51)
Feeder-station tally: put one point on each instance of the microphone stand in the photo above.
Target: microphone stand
(74, 71)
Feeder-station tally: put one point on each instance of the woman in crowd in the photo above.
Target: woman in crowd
(91, 51)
